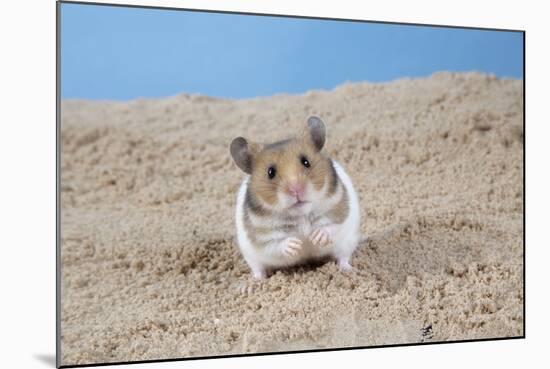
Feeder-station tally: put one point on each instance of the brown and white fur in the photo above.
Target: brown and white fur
(295, 204)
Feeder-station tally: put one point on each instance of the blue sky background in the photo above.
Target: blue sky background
(124, 53)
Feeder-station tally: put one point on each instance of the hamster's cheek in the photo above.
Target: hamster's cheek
(316, 196)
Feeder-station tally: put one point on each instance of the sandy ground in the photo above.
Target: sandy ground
(150, 268)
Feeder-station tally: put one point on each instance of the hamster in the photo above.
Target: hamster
(295, 203)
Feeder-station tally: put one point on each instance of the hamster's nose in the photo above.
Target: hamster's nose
(296, 190)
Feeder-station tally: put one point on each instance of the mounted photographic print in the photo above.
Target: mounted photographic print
(234, 183)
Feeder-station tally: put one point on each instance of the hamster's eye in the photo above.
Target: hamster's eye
(304, 161)
(271, 172)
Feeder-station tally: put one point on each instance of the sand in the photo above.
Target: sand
(150, 268)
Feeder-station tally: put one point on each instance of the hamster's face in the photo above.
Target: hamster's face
(289, 176)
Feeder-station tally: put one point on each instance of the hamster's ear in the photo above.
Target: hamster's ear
(317, 132)
(242, 153)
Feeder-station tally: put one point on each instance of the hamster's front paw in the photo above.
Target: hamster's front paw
(320, 237)
(291, 247)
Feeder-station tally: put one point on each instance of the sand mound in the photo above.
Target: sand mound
(150, 269)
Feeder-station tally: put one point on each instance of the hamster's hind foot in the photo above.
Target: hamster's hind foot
(343, 264)
(249, 286)
(259, 274)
